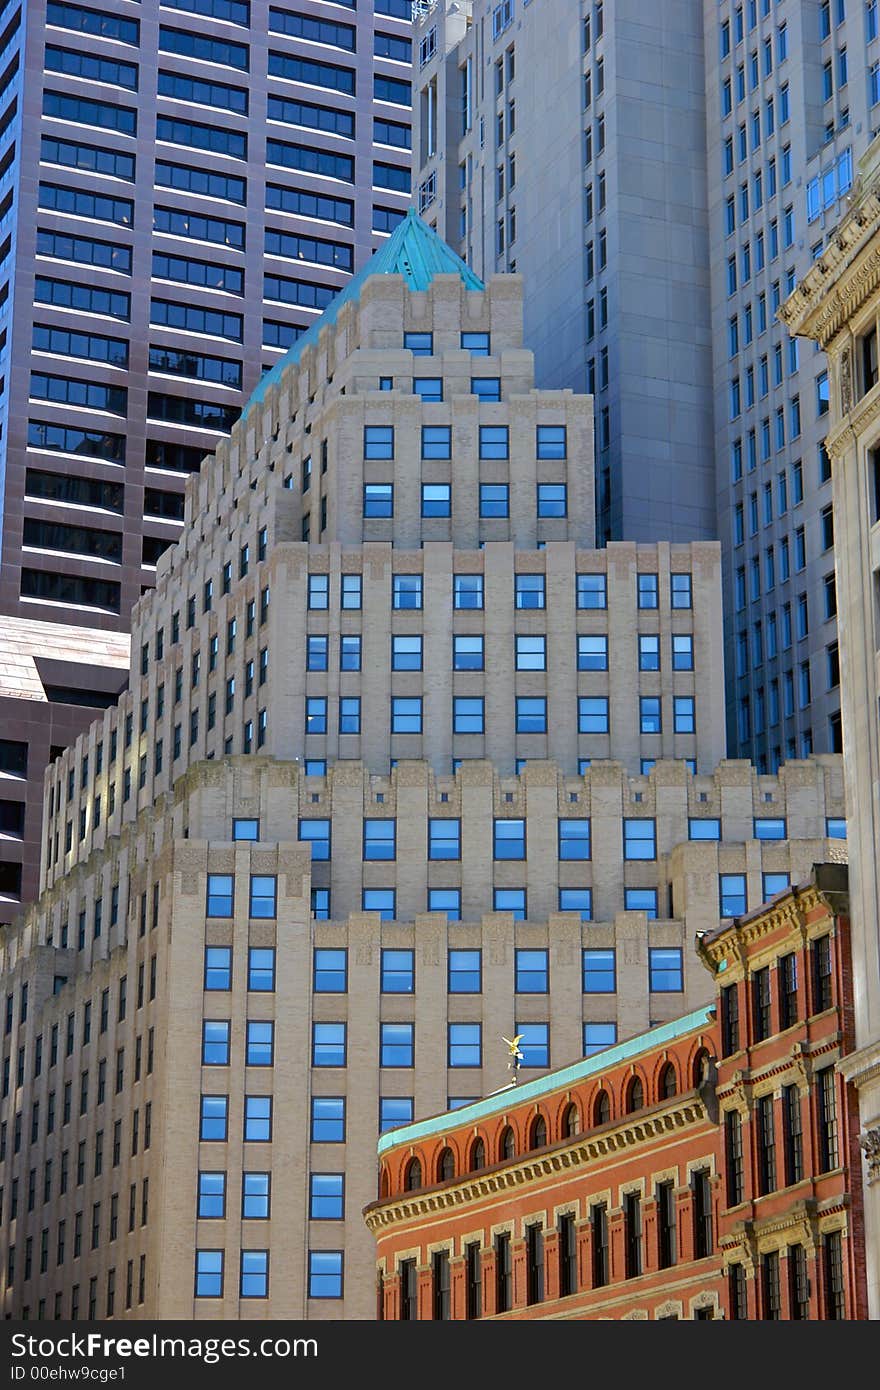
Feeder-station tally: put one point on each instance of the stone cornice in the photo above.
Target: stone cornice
(857, 422)
(746, 931)
(797, 1065)
(843, 278)
(644, 1127)
(862, 1068)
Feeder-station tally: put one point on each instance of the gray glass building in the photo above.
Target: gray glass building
(663, 175)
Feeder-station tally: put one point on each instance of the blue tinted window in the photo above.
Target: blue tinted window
(598, 1036)
(219, 899)
(212, 1195)
(330, 970)
(218, 967)
(325, 1274)
(534, 1044)
(396, 1044)
(261, 968)
(465, 972)
(328, 1119)
(465, 1045)
(255, 1196)
(394, 1111)
(577, 900)
(326, 1196)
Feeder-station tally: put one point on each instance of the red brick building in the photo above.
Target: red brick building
(708, 1168)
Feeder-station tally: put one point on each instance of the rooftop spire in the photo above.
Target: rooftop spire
(415, 251)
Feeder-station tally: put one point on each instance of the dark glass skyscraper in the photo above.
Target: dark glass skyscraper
(183, 189)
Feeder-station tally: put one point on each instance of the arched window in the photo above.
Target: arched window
(507, 1146)
(571, 1122)
(446, 1166)
(538, 1138)
(478, 1156)
(602, 1109)
(384, 1185)
(701, 1067)
(668, 1082)
(412, 1178)
(635, 1096)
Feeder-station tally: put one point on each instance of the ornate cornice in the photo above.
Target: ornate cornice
(862, 1068)
(685, 1113)
(744, 932)
(841, 281)
(854, 424)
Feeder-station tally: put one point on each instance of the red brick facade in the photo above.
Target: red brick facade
(708, 1168)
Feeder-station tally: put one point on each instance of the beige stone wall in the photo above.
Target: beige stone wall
(171, 849)
(106, 789)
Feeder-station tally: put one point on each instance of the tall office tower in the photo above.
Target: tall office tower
(405, 766)
(53, 677)
(183, 188)
(663, 175)
(792, 93)
(837, 305)
(566, 141)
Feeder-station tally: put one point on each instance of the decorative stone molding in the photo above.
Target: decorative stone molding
(869, 1143)
(815, 310)
(746, 932)
(633, 1131)
(670, 1309)
(705, 1300)
(846, 386)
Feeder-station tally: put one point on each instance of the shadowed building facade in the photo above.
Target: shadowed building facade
(662, 176)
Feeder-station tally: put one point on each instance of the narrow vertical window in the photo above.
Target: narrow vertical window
(733, 1156)
(599, 1230)
(409, 1306)
(738, 1297)
(632, 1228)
(772, 1310)
(701, 1193)
(441, 1285)
(761, 1003)
(822, 991)
(730, 1019)
(786, 975)
(568, 1275)
(535, 1263)
(503, 1273)
(792, 1135)
(835, 1303)
(474, 1280)
(826, 1105)
(766, 1145)
(666, 1225)
(798, 1284)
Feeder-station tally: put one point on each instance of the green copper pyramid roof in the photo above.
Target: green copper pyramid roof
(415, 251)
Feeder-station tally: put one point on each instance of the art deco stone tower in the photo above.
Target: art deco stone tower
(405, 764)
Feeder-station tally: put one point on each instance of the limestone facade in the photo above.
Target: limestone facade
(106, 1000)
(838, 305)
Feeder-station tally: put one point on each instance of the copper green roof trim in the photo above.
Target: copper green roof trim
(415, 251)
(554, 1081)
